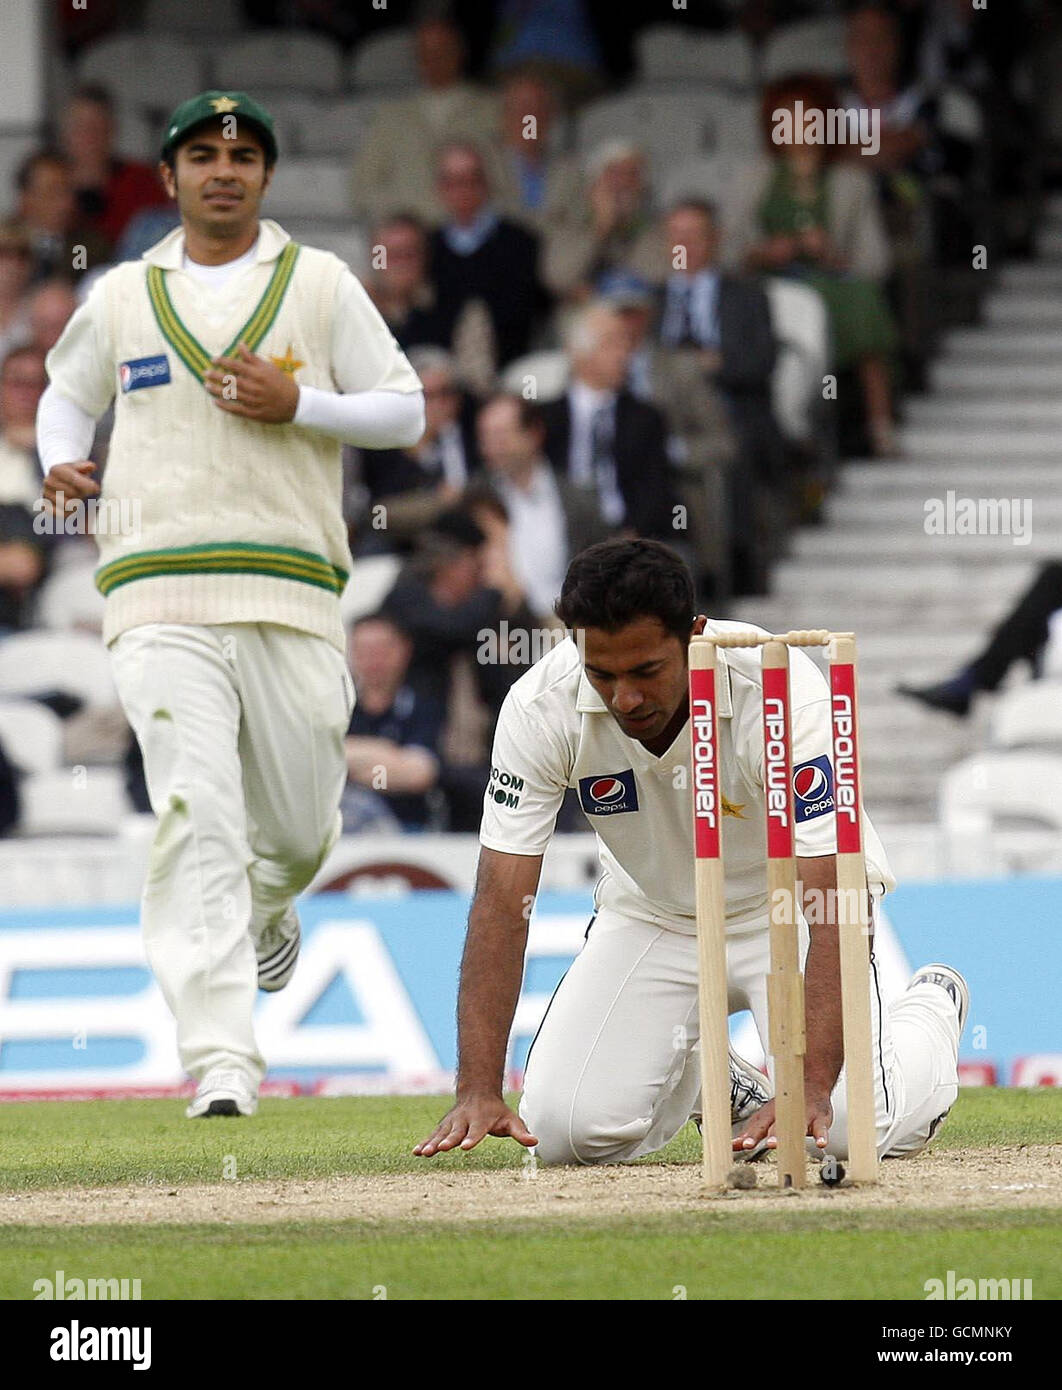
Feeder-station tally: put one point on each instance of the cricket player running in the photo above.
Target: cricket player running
(239, 363)
(613, 1072)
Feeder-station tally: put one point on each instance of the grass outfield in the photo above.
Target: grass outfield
(772, 1251)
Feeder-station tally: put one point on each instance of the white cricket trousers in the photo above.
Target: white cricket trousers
(614, 1072)
(242, 729)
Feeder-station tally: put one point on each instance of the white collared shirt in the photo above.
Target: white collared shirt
(555, 731)
(538, 535)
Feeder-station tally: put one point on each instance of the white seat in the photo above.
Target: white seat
(673, 127)
(204, 17)
(371, 580)
(90, 801)
(802, 330)
(1002, 786)
(672, 53)
(348, 242)
(1030, 716)
(808, 45)
(294, 113)
(1052, 655)
(548, 371)
(149, 71)
(279, 58)
(36, 662)
(338, 127)
(1001, 812)
(31, 735)
(69, 599)
(384, 60)
(138, 136)
(308, 187)
(709, 176)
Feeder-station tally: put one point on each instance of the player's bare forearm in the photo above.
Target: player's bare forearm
(824, 1052)
(491, 970)
(492, 967)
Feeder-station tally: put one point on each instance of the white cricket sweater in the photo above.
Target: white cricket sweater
(237, 521)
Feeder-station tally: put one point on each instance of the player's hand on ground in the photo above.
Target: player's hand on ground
(471, 1120)
(73, 480)
(761, 1125)
(250, 386)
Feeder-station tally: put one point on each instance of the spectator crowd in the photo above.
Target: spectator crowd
(603, 350)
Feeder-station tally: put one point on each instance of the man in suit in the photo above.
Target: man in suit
(476, 254)
(724, 323)
(549, 518)
(406, 489)
(601, 437)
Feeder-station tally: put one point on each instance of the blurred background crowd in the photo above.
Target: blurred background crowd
(632, 310)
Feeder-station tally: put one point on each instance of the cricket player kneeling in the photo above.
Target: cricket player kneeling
(238, 362)
(613, 1072)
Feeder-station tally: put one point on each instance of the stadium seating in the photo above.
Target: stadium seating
(668, 53)
(204, 18)
(801, 326)
(370, 582)
(279, 59)
(1029, 716)
(993, 799)
(304, 187)
(673, 127)
(151, 71)
(548, 370)
(38, 661)
(336, 128)
(31, 734)
(809, 45)
(59, 803)
(384, 61)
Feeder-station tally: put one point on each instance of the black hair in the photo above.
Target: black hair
(380, 615)
(528, 412)
(95, 92)
(616, 582)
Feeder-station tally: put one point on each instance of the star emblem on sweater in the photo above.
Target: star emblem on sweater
(289, 363)
(734, 808)
(222, 105)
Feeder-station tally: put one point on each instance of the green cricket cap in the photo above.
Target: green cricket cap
(211, 106)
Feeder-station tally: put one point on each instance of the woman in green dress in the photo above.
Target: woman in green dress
(808, 216)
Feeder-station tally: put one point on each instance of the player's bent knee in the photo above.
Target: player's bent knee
(567, 1136)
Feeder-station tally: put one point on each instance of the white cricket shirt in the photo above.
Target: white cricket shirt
(555, 732)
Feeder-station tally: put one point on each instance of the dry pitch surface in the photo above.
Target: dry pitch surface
(999, 1180)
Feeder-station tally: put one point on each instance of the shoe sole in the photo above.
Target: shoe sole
(221, 1107)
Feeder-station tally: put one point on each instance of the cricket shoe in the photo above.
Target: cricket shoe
(223, 1091)
(953, 984)
(278, 952)
(749, 1090)
(958, 991)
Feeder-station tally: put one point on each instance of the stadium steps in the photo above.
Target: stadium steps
(922, 605)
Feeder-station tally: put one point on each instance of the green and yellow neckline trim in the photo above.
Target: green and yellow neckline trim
(224, 557)
(184, 343)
